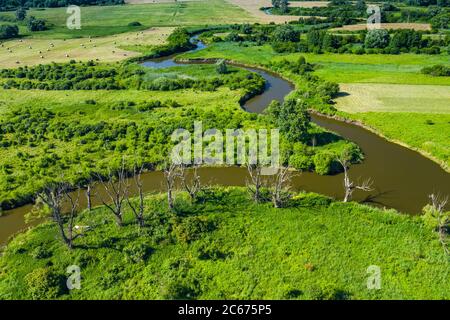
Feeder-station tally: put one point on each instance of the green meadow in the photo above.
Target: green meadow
(228, 247)
(109, 20)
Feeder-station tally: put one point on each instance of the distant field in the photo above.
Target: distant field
(425, 132)
(108, 20)
(341, 68)
(404, 25)
(106, 49)
(253, 8)
(394, 98)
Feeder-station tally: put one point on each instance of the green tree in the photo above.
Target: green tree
(293, 119)
(221, 67)
(21, 14)
(8, 31)
(285, 33)
(378, 38)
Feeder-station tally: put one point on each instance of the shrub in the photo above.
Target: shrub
(43, 283)
(378, 38)
(438, 70)
(135, 24)
(137, 252)
(192, 228)
(8, 31)
(323, 162)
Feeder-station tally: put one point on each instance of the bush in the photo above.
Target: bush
(43, 283)
(36, 24)
(137, 252)
(438, 70)
(378, 38)
(8, 31)
(323, 162)
(135, 24)
(192, 228)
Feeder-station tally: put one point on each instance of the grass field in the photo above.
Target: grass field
(374, 97)
(341, 68)
(107, 49)
(228, 247)
(427, 132)
(108, 20)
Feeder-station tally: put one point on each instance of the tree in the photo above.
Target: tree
(36, 24)
(8, 31)
(255, 184)
(350, 186)
(377, 38)
(53, 196)
(293, 119)
(21, 14)
(171, 173)
(138, 211)
(221, 67)
(192, 186)
(116, 189)
(440, 219)
(279, 189)
(285, 33)
(282, 5)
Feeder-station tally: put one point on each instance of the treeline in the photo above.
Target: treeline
(14, 4)
(288, 39)
(94, 76)
(347, 12)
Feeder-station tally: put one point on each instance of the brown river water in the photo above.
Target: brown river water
(403, 178)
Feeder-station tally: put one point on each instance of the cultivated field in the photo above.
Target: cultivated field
(253, 7)
(393, 98)
(109, 20)
(415, 26)
(107, 49)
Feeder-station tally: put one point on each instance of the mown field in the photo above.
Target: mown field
(109, 20)
(228, 247)
(33, 51)
(358, 97)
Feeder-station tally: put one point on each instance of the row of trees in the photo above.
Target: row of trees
(12, 4)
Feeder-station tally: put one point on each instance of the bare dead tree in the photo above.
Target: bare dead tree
(193, 185)
(116, 188)
(438, 204)
(73, 202)
(279, 190)
(52, 195)
(172, 171)
(255, 184)
(138, 210)
(349, 185)
(88, 196)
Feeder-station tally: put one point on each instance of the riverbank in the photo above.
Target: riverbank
(246, 252)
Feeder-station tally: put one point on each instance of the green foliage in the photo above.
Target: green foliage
(254, 246)
(8, 31)
(285, 33)
(36, 24)
(221, 67)
(21, 14)
(192, 228)
(43, 284)
(438, 70)
(377, 38)
(323, 162)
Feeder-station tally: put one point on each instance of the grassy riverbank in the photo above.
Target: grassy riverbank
(313, 249)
